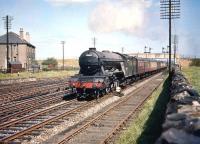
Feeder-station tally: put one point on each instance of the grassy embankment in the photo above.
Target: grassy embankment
(146, 127)
(44, 74)
(193, 76)
(68, 62)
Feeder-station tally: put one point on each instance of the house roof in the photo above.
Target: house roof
(14, 39)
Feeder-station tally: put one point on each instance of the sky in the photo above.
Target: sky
(131, 24)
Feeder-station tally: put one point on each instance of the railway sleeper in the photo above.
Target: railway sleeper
(4, 135)
(34, 133)
(49, 126)
(23, 125)
(6, 132)
(32, 122)
(24, 138)
(15, 128)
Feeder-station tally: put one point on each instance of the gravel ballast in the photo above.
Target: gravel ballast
(49, 135)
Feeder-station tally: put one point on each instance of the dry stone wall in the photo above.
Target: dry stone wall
(182, 121)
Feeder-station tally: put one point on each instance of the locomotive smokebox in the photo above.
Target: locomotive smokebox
(89, 62)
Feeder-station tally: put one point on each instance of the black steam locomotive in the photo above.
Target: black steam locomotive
(101, 72)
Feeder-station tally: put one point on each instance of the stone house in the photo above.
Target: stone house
(20, 49)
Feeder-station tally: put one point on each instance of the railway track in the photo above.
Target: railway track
(26, 107)
(18, 96)
(31, 99)
(4, 88)
(99, 128)
(21, 129)
(35, 89)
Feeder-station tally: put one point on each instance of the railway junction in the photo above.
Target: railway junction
(45, 117)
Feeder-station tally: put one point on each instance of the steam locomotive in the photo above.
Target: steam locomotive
(102, 72)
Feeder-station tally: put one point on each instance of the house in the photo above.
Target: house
(20, 49)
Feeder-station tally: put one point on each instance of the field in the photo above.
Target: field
(185, 62)
(193, 75)
(44, 74)
(67, 62)
(146, 127)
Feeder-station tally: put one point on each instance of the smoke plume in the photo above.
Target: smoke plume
(126, 16)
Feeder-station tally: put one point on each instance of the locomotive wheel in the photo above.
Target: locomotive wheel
(107, 90)
(103, 92)
(78, 97)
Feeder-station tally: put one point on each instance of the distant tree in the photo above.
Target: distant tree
(34, 62)
(195, 62)
(51, 63)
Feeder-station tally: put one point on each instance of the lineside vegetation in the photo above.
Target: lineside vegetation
(43, 74)
(195, 62)
(193, 75)
(146, 127)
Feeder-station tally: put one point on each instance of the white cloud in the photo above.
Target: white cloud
(126, 16)
(66, 2)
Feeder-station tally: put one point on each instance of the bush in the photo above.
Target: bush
(195, 62)
(50, 63)
(34, 62)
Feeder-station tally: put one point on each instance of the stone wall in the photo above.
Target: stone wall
(182, 122)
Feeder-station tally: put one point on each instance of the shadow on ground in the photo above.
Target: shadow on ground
(153, 126)
(68, 97)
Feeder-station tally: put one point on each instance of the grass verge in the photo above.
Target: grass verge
(146, 127)
(44, 74)
(193, 75)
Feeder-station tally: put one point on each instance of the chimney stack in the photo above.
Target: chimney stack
(27, 37)
(21, 33)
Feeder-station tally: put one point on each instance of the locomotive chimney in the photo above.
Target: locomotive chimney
(92, 49)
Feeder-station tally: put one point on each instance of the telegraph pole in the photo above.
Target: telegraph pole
(94, 42)
(145, 49)
(170, 36)
(150, 49)
(7, 24)
(122, 50)
(170, 9)
(163, 50)
(63, 46)
(175, 47)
